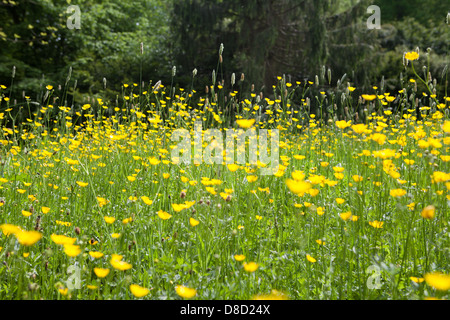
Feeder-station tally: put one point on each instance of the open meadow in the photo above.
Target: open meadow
(94, 204)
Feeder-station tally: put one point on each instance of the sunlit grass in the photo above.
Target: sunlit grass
(95, 190)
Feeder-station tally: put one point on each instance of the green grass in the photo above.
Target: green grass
(107, 145)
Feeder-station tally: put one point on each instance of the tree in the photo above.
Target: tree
(267, 38)
(35, 38)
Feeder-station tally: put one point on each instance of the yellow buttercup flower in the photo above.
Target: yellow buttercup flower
(320, 211)
(310, 259)
(109, 220)
(178, 207)
(389, 99)
(127, 220)
(26, 213)
(45, 210)
(211, 190)
(120, 265)
(61, 239)
(298, 187)
(95, 254)
(164, 215)
(193, 222)
(184, 179)
(82, 184)
(102, 201)
(28, 238)
(185, 292)
(100, 272)
(396, 193)
(369, 97)
(139, 291)
(146, 200)
(251, 266)
(225, 196)
(72, 250)
(376, 224)
(411, 56)
(298, 175)
(239, 257)
(359, 128)
(438, 281)
(343, 124)
(345, 215)
(245, 124)
(417, 280)
(61, 290)
(428, 212)
(446, 127)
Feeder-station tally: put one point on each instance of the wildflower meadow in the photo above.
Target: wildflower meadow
(105, 201)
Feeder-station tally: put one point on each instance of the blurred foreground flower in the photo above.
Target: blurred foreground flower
(117, 263)
(100, 272)
(193, 222)
(251, 266)
(72, 250)
(185, 292)
(438, 281)
(138, 291)
(376, 224)
(28, 238)
(428, 212)
(245, 124)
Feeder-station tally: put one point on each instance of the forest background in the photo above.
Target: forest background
(262, 39)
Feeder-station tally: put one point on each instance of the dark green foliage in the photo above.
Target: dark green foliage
(265, 39)
(106, 46)
(429, 12)
(262, 39)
